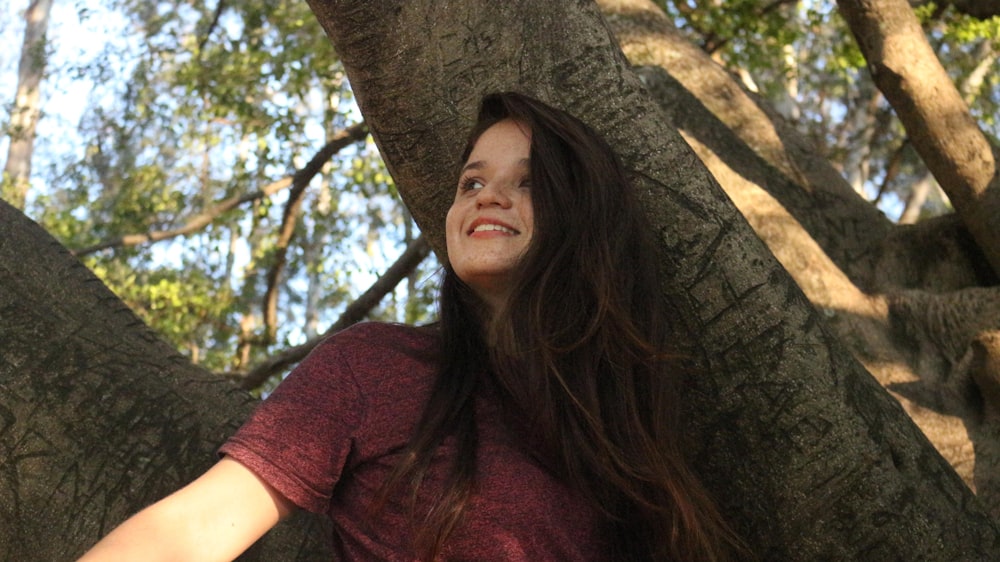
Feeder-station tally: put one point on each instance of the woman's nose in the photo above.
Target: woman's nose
(494, 193)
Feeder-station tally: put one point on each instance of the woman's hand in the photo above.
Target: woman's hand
(216, 517)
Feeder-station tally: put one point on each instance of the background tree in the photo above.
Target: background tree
(811, 458)
(233, 145)
(25, 113)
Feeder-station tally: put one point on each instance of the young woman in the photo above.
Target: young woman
(536, 421)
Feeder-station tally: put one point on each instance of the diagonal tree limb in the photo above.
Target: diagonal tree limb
(826, 203)
(936, 118)
(201, 220)
(194, 224)
(355, 312)
(714, 106)
(300, 181)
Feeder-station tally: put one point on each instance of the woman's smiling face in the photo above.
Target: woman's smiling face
(490, 223)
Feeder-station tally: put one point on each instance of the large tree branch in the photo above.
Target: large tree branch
(864, 321)
(845, 225)
(98, 416)
(709, 105)
(935, 255)
(933, 112)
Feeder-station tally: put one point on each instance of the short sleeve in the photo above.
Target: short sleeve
(298, 439)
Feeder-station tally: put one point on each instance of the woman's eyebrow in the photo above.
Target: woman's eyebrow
(480, 164)
(477, 165)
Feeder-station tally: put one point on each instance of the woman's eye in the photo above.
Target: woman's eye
(471, 183)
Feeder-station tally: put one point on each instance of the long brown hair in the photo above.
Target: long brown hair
(578, 353)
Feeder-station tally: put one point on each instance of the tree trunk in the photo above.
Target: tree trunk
(880, 308)
(936, 118)
(854, 234)
(98, 417)
(808, 455)
(783, 212)
(24, 116)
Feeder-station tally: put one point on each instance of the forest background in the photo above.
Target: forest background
(209, 165)
(153, 118)
(166, 158)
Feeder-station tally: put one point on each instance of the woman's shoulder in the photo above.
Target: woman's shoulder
(373, 350)
(362, 329)
(385, 335)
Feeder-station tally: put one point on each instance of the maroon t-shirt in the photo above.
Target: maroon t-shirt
(332, 432)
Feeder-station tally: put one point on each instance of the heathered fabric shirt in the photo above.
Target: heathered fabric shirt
(332, 431)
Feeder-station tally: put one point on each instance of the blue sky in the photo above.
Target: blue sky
(75, 37)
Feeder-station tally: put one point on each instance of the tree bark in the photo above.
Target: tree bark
(648, 37)
(24, 116)
(933, 112)
(854, 234)
(807, 454)
(898, 285)
(98, 417)
(887, 289)
(869, 323)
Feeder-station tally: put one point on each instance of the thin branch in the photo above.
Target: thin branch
(219, 8)
(194, 224)
(300, 181)
(891, 170)
(202, 220)
(355, 312)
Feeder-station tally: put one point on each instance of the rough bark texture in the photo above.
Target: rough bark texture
(983, 360)
(98, 417)
(868, 322)
(812, 459)
(817, 192)
(855, 235)
(894, 276)
(931, 109)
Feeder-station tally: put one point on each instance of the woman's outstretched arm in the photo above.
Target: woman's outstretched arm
(216, 517)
